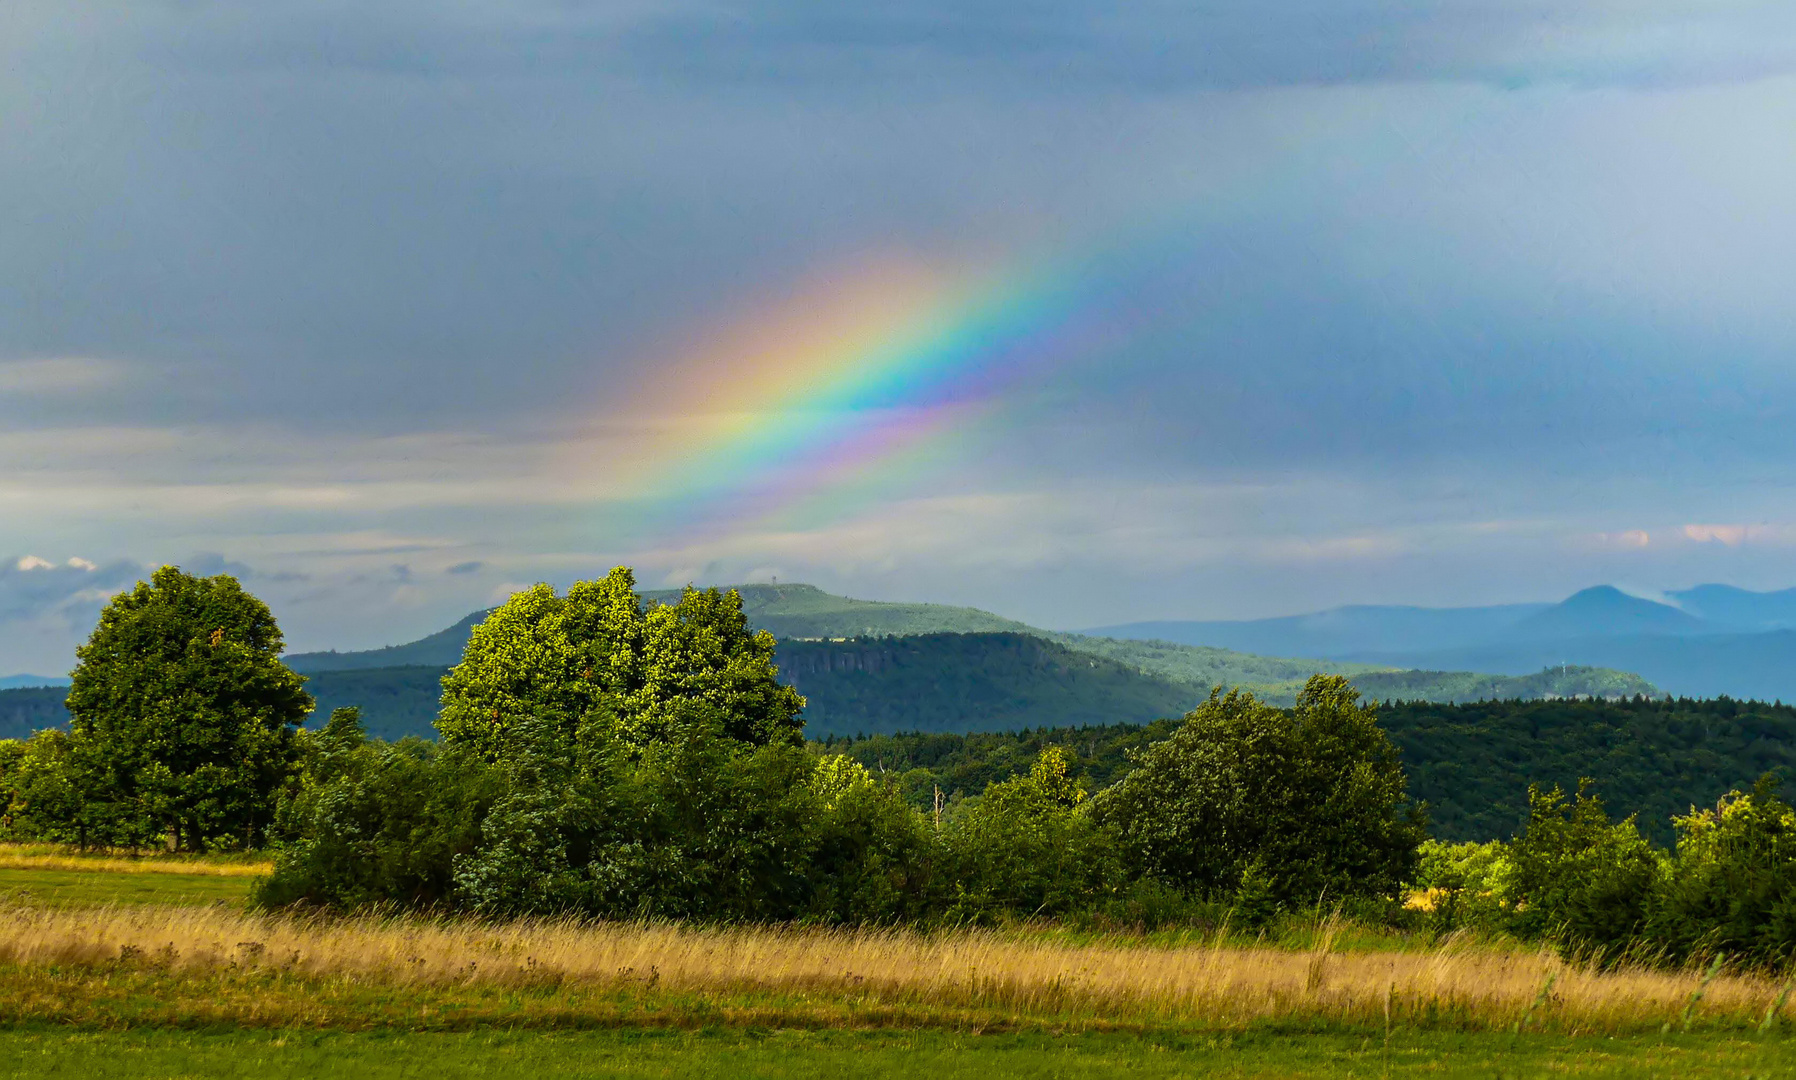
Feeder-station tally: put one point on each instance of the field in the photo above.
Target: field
(788, 1053)
(47, 875)
(121, 966)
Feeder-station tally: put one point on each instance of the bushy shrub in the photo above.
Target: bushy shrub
(1732, 886)
(1578, 878)
(697, 827)
(379, 823)
(1298, 807)
(1029, 846)
(1466, 884)
(700, 826)
(39, 793)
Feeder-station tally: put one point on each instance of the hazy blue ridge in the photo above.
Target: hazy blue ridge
(1739, 609)
(1604, 611)
(1758, 666)
(1335, 633)
(1713, 640)
(19, 682)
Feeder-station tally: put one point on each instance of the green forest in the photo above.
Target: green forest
(940, 681)
(1470, 764)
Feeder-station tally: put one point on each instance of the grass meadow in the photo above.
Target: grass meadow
(45, 875)
(112, 965)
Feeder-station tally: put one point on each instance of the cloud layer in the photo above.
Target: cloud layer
(1439, 303)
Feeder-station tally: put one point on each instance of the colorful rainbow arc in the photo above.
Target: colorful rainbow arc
(786, 423)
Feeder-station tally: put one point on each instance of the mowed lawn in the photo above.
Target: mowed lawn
(266, 1055)
(69, 887)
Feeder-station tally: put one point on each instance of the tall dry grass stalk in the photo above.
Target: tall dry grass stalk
(1214, 984)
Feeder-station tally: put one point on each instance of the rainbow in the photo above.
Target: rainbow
(849, 374)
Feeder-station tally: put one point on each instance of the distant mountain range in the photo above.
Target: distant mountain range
(1703, 642)
(19, 682)
(869, 666)
(805, 613)
(872, 666)
(786, 611)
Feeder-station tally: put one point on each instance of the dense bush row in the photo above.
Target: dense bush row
(1470, 763)
(698, 824)
(1601, 889)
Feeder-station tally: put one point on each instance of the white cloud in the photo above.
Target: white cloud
(83, 564)
(32, 562)
(1736, 535)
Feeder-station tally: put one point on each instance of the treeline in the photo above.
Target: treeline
(605, 757)
(1654, 757)
(1470, 764)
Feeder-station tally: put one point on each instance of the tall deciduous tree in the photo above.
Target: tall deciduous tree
(594, 665)
(1307, 804)
(182, 715)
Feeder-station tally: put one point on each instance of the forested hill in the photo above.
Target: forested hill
(801, 611)
(785, 611)
(940, 682)
(1471, 764)
(796, 613)
(969, 682)
(439, 650)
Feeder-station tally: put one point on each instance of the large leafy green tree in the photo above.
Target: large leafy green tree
(594, 666)
(1307, 804)
(182, 716)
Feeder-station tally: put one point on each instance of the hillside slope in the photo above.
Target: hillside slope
(24, 711)
(441, 649)
(968, 682)
(805, 612)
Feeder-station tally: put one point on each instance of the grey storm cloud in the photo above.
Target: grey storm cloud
(1154, 44)
(1167, 45)
(321, 285)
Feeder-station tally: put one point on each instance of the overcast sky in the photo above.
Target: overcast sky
(1406, 302)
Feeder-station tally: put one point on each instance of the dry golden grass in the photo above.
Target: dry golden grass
(1009, 977)
(56, 857)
